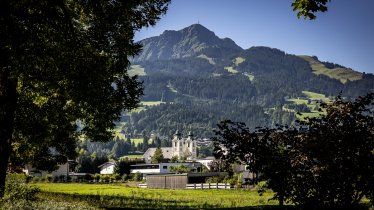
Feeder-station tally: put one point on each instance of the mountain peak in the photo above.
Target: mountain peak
(191, 41)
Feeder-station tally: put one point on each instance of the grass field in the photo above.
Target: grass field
(210, 60)
(239, 60)
(313, 98)
(131, 157)
(137, 140)
(151, 103)
(342, 74)
(316, 96)
(120, 196)
(231, 69)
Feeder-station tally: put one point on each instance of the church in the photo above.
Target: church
(181, 148)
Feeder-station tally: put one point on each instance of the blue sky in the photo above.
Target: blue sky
(343, 35)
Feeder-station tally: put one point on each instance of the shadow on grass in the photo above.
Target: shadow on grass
(136, 202)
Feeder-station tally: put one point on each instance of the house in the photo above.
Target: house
(206, 161)
(181, 148)
(62, 170)
(107, 168)
(162, 168)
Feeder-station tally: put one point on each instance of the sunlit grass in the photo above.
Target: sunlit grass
(342, 74)
(181, 198)
(231, 69)
(210, 60)
(239, 60)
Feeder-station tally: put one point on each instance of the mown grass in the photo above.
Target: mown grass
(342, 74)
(119, 196)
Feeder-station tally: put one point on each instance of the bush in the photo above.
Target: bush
(16, 188)
(137, 177)
(49, 178)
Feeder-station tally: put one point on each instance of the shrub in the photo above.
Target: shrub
(137, 177)
(16, 188)
(49, 177)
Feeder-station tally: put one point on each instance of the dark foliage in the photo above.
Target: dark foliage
(328, 162)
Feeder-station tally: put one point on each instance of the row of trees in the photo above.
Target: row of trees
(325, 162)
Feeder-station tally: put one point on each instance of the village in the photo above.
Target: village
(178, 168)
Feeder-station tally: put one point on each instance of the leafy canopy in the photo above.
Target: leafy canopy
(327, 162)
(68, 61)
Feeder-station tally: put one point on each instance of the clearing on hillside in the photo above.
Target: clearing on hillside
(342, 74)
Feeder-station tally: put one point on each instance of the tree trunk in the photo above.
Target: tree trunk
(8, 102)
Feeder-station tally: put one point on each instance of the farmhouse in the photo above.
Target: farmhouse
(62, 170)
(181, 147)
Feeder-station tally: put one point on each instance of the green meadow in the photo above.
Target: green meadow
(122, 196)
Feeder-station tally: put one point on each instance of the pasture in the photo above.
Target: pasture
(122, 196)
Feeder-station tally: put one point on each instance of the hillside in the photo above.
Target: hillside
(202, 79)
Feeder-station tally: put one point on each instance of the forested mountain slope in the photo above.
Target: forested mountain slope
(203, 79)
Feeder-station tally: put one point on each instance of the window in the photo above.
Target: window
(175, 144)
(164, 167)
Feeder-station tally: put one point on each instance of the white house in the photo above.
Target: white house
(107, 168)
(162, 168)
(206, 161)
(62, 169)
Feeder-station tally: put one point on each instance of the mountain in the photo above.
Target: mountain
(198, 79)
(194, 40)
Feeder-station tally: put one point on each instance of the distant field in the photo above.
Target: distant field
(239, 60)
(316, 96)
(136, 70)
(151, 103)
(132, 157)
(249, 75)
(312, 97)
(231, 69)
(120, 196)
(210, 60)
(137, 141)
(342, 74)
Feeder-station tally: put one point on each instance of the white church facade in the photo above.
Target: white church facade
(181, 148)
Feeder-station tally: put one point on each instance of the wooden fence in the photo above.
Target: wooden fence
(204, 186)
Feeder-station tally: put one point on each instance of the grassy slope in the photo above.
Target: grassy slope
(342, 74)
(210, 60)
(314, 97)
(132, 157)
(164, 197)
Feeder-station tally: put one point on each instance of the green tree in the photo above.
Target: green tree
(327, 163)
(179, 169)
(64, 62)
(158, 157)
(307, 8)
(174, 159)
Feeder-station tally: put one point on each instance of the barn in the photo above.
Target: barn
(178, 181)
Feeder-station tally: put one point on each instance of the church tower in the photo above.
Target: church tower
(177, 144)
